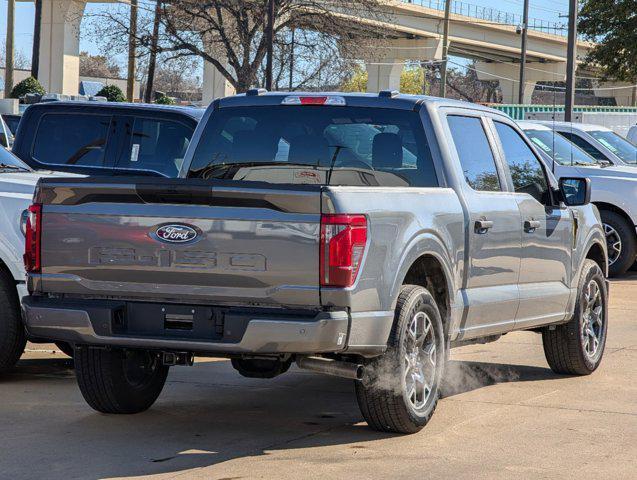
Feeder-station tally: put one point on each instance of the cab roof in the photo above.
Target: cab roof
(193, 112)
(384, 99)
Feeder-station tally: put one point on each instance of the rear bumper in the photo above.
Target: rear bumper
(211, 330)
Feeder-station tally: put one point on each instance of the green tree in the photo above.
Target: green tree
(28, 85)
(164, 100)
(411, 81)
(613, 25)
(112, 93)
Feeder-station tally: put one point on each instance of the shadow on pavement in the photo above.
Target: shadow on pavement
(462, 377)
(206, 415)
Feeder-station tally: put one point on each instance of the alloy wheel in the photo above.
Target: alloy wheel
(593, 320)
(614, 243)
(419, 361)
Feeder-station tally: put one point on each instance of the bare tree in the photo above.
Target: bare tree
(20, 59)
(98, 66)
(230, 33)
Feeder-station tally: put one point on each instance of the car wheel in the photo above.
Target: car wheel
(118, 380)
(621, 243)
(12, 334)
(400, 389)
(577, 347)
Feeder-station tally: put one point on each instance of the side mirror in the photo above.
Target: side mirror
(575, 191)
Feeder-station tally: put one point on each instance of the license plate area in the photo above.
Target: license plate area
(169, 321)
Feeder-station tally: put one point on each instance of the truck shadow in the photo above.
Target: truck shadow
(206, 415)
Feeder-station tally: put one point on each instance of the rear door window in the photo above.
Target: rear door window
(584, 145)
(71, 139)
(362, 146)
(474, 153)
(155, 145)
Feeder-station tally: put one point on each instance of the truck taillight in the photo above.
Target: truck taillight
(33, 234)
(343, 240)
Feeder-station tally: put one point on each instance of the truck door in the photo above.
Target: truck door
(492, 245)
(547, 233)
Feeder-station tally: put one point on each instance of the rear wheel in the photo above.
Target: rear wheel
(577, 347)
(12, 335)
(621, 242)
(400, 389)
(119, 381)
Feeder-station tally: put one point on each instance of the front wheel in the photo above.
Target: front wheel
(621, 242)
(577, 347)
(400, 389)
(119, 381)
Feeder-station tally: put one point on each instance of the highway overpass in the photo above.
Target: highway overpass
(414, 31)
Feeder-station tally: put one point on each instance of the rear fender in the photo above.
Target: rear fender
(428, 244)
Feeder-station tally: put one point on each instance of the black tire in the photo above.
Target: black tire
(626, 234)
(564, 346)
(12, 334)
(119, 381)
(382, 394)
(66, 348)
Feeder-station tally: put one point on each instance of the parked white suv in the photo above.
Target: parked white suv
(614, 190)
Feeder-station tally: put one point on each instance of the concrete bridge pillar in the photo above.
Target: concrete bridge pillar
(385, 64)
(215, 84)
(59, 67)
(507, 74)
(625, 94)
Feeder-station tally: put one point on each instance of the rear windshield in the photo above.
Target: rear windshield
(315, 145)
(71, 139)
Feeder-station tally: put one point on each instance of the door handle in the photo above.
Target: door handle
(531, 226)
(482, 226)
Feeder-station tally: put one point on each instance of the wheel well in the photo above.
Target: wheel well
(427, 272)
(596, 253)
(613, 208)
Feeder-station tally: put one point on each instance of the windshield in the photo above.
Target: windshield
(558, 148)
(9, 161)
(315, 144)
(616, 144)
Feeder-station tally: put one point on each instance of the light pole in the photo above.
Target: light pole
(525, 27)
(571, 60)
(132, 40)
(8, 71)
(270, 43)
(445, 50)
(37, 28)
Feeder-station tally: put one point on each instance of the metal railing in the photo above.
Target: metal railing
(493, 15)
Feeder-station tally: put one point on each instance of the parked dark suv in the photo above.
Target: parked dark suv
(105, 138)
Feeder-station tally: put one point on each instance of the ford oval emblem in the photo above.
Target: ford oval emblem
(176, 233)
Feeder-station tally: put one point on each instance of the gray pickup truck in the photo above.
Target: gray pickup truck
(357, 235)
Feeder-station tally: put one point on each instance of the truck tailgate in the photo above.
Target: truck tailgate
(179, 240)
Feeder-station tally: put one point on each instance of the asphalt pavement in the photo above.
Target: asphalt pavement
(505, 415)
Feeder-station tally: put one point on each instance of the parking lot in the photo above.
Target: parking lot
(505, 415)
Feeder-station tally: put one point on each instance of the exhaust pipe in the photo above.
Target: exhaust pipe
(335, 368)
